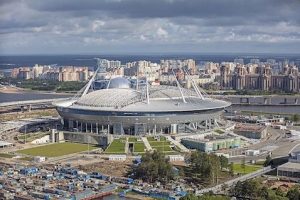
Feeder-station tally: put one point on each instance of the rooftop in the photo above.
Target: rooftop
(289, 166)
(161, 98)
(248, 127)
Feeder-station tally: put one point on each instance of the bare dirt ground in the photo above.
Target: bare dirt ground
(283, 185)
(32, 114)
(113, 168)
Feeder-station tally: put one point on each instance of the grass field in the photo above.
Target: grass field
(6, 155)
(117, 146)
(139, 147)
(153, 144)
(132, 139)
(163, 148)
(162, 145)
(152, 139)
(237, 168)
(219, 131)
(58, 149)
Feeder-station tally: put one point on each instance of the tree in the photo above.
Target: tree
(154, 167)
(223, 161)
(247, 189)
(267, 161)
(264, 192)
(231, 170)
(204, 197)
(205, 167)
(295, 118)
(293, 194)
(243, 165)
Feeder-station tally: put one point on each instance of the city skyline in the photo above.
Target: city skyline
(143, 27)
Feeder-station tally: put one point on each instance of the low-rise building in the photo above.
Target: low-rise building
(212, 143)
(117, 157)
(176, 158)
(291, 169)
(39, 159)
(251, 152)
(251, 131)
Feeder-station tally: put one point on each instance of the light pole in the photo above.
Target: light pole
(25, 134)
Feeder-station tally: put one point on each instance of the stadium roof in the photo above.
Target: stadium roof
(161, 99)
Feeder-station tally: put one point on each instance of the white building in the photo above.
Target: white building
(176, 158)
(252, 152)
(39, 159)
(117, 157)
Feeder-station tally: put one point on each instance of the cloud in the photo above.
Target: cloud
(72, 26)
(162, 33)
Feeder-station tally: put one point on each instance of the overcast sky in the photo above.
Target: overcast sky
(149, 26)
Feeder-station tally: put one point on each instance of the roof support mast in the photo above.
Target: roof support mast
(147, 90)
(88, 85)
(194, 84)
(179, 87)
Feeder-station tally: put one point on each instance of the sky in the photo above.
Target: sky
(149, 26)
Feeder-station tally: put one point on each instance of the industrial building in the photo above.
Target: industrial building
(251, 131)
(212, 143)
(291, 169)
(136, 108)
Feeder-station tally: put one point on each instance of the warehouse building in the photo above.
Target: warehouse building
(251, 131)
(212, 143)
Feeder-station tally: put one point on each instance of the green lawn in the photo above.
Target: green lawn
(219, 131)
(57, 149)
(237, 168)
(159, 143)
(152, 139)
(162, 145)
(26, 158)
(117, 146)
(139, 147)
(132, 139)
(163, 148)
(6, 155)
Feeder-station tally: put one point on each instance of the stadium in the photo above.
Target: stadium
(135, 107)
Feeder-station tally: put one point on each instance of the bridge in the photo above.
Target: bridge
(21, 103)
(28, 105)
(232, 182)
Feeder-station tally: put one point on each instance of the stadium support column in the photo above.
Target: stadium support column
(97, 131)
(70, 125)
(86, 129)
(108, 129)
(91, 127)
